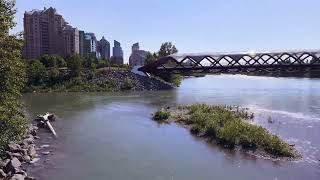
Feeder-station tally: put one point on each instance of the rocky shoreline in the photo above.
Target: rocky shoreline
(20, 155)
(101, 80)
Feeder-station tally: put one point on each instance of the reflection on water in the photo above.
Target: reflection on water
(111, 136)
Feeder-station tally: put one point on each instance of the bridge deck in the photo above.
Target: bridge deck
(235, 62)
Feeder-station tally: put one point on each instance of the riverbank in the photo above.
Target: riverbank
(100, 80)
(229, 127)
(19, 155)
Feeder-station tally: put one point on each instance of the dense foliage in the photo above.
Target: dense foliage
(161, 115)
(230, 128)
(12, 78)
(166, 49)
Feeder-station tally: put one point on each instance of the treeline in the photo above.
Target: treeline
(53, 69)
(12, 79)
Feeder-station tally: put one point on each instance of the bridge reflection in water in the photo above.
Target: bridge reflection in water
(235, 62)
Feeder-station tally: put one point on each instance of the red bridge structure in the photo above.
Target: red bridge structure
(235, 62)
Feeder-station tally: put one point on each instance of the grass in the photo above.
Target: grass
(161, 115)
(229, 127)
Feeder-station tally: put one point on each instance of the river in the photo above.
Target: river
(111, 135)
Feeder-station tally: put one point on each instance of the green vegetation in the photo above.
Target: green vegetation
(12, 78)
(53, 73)
(230, 128)
(166, 49)
(161, 115)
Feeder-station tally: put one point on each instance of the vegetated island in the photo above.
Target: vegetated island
(229, 127)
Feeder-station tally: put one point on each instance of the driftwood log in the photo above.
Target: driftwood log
(44, 121)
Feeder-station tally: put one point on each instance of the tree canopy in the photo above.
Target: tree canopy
(12, 77)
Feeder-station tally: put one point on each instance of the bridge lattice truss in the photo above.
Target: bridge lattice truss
(235, 63)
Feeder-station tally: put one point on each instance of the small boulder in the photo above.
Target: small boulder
(2, 174)
(26, 158)
(13, 165)
(32, 151)
(34, 160)
(13, 147)
(18, 177)
(4, 163)
(29, 139)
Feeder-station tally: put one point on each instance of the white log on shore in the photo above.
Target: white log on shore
(45, 119)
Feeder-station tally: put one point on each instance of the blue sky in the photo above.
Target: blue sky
(194, 26)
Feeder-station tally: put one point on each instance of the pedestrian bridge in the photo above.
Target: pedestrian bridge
(235, 62)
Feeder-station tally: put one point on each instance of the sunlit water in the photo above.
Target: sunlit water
(111, 136)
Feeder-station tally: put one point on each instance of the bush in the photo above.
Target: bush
(74, 63)
(229, 126)
(36, 73)
(127, 84)
(161, 115)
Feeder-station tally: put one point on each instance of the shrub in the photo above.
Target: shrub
(161, 115)
(229, 127)
(127, 84)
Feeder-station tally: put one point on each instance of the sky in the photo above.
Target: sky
(194, 26)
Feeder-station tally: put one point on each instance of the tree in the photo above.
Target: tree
(167, 49)
(36, 73)
(74, 63)
(52, 61)
(150, 58)
(12, 78)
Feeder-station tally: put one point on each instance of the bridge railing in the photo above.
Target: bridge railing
(217, 63)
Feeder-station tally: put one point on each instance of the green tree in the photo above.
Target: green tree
(74, 63)
(36, 73)
(151, 57)
(12, 78)
(167, 49)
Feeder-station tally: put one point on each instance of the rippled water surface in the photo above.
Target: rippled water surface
(111, 136)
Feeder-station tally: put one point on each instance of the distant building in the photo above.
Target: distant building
(104, 49)
(135, 47)
(71, 41)
(117, 53)
(43, 33)
(81, 43)
(137, 57)
(90, 46)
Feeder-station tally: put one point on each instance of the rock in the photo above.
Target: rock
(29, 139)
(18, 177)
(45, 146)
(36, 137)
(13, 147)
(26, 158)
(20, 171)
(2, 174)
(32, 151)
(34, 160)
(30, 178)
(13, 165)
(46, 152)
(4, 163)
(17, 155)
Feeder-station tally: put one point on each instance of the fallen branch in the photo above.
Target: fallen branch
(44, 120)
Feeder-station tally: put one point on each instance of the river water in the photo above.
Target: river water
(111, 136)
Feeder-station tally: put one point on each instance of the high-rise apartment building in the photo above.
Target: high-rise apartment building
(81, 43)
(104, 49)
(90, 45)
(71, 41)
(43, 33)
(135, 47)
(117, 54)
(137, 57)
